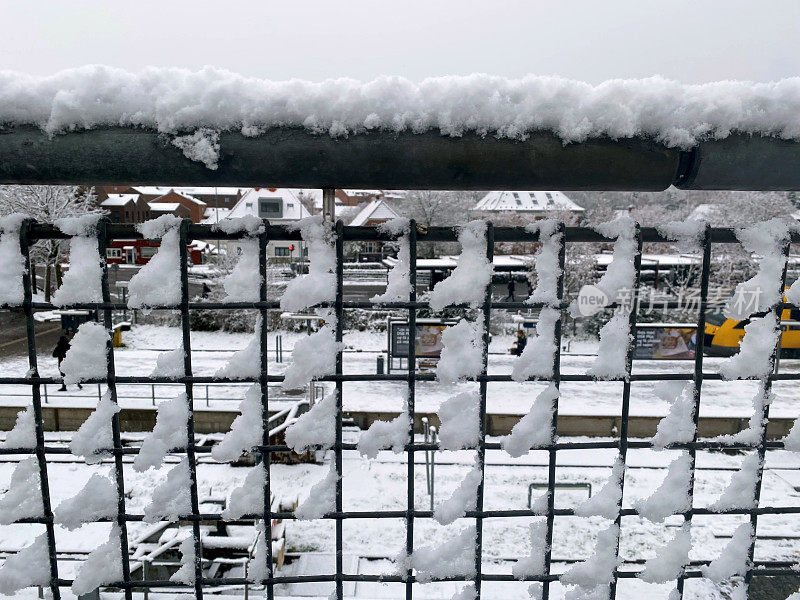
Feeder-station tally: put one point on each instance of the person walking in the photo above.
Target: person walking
(59, 352)
(511, 289)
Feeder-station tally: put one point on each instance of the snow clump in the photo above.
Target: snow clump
(185, 574)
(175, 100)
(27, 568)
(247, 499)
(12, 263)
(752, 434)
(539, 355)
(315, 428)
(454, 557)
(201, 146)
(24, 496)
(792, 439)
(678, 426)
(86, 357)
(754, 358)
(245, 363)
(320, 283)
(243, 283)
(620, 274)
(606, 502)
(546, 263)
(313, 356)
(392, 434)
(159, 281)
(535, 429)
(462, 352)
(460, 421)
(170, 433)
(464, 498)
(170, 364)
(82, 281)
(734, 559)
(94, 437)
(321, 497)
(23, 434)
(246, 431)
(598, 569)
(171, 498)
(762, 291)
(473, 273)
(96, 500)
(741, 490)
(612, 354)
(533, 565)
(672, 496)
(688, 234)
(101, 567)
(398, 284)
(670, 559)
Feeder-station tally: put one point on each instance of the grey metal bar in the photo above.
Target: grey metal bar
(486, 315)
(266, 457)
(281, 156)
(705, 276)
(36, 400)
(626, 391)
(112, 392)
(339, 242)
(551, 453)
(411, 402)
(189, 391)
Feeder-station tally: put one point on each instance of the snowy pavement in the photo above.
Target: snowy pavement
(211, 350)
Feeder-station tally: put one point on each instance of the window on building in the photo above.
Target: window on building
(282, 251)
(113, 253)
(270, 208)
(148, 251)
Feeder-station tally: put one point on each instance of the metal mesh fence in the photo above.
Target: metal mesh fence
(33, 232)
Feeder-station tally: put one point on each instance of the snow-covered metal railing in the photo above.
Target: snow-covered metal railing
(323, 291)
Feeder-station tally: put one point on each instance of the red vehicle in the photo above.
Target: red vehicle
(139, 252)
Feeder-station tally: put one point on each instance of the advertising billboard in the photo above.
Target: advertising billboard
(665, 341)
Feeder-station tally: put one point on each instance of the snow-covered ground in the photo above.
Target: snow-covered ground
(371, 545)
(381, 485)
(211, 350)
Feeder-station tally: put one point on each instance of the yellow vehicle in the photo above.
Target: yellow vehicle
(723, 336)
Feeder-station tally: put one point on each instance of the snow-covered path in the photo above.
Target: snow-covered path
(212, 350)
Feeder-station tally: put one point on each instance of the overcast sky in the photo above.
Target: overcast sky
(689, 40)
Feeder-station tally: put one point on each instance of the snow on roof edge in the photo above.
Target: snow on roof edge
(173, 100)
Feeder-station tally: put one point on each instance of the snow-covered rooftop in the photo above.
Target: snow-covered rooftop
(377, 210)
(163, 206)
(178, 100)
(538, 202)
(293, 209)
(119, 199)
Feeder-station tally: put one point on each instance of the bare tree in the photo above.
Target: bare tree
(47, 203)
(431, 208)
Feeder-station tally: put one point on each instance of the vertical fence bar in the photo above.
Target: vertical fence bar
(36, 400)
(552, 453)
(765, 388)
(266, 456)
(705, 275)
(411, 398)
(111, 384)
(486, 314)
(189, 391)
(626, 390)
(338, 447)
